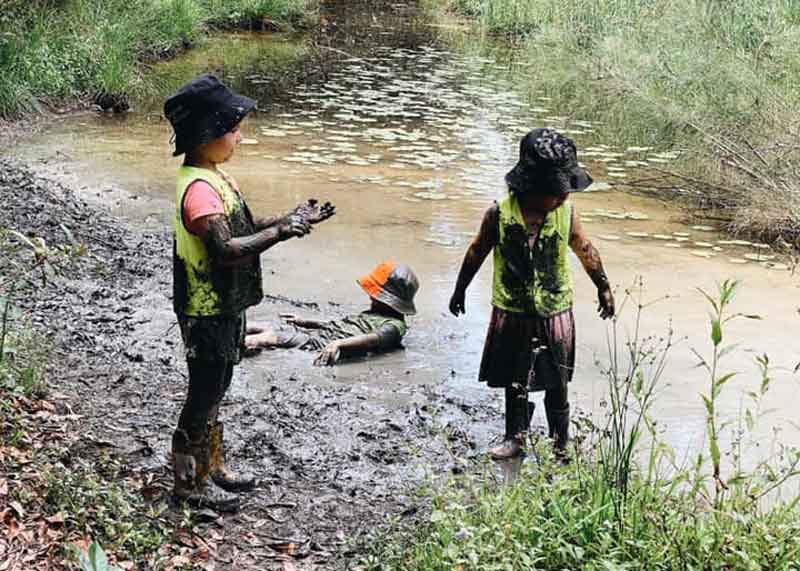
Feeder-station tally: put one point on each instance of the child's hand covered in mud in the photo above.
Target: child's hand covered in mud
(293, 227)
(313, 212)
(606, 302)
(329, 355)
(457, 303)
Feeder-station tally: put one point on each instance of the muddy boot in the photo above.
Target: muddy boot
(558, 424)
(222, 476)
(531, 410)
(190, 464)
(510, 448)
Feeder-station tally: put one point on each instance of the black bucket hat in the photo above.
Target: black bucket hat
(204, 110)
(548, 164)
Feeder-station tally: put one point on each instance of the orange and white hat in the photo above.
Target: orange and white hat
(392, 284)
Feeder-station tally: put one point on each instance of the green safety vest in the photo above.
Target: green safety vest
(535, 282)
(199, 288)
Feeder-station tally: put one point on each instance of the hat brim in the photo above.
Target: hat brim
(522, 178)
(375, 291)
(212, 127)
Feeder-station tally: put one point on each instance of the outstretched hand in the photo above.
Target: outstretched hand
(314, 212)
(606, 303)
(294, 226)
(329, 355)
(457, 303)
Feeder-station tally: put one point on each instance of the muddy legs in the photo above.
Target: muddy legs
(518, 419)
(557, 410)
(197, 456)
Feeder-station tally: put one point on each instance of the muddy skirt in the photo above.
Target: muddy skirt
(528, 350)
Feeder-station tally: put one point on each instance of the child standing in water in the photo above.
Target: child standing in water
(530, 344)
(216, 277)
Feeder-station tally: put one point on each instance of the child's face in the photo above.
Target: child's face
(546, 203)
(221, 149)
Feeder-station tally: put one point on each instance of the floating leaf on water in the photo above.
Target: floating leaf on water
(598, 186)
(701, 254)
(759, 257)
(425, 195)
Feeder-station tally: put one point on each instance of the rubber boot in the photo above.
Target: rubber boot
(190, 464)
(517, 423)
(558, 425)
(222, 476)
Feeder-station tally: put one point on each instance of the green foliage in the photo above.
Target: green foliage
(608, 510)
(95, 559)
(83, 47)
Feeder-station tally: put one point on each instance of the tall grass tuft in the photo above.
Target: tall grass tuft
(54, 51)
(625, 503)
(700, 76)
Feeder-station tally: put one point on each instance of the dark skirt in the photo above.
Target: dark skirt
(528, 350)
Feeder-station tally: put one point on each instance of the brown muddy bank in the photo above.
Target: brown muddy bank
(333, 464)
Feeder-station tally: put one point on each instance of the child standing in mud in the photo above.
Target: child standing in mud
(216, 277)
(530, 344)
(391, 288)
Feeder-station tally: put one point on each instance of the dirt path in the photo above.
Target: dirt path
(333, 465)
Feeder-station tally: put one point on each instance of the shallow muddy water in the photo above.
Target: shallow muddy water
(411, 139)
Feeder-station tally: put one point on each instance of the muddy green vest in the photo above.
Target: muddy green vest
(199, 289)
(536, 282)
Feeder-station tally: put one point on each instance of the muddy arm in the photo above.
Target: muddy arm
(331, 354)
(226, 250)
(591, 262)
(473, 259)
(310, 211)
(302, 321)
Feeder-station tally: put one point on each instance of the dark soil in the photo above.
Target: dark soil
(333, 465)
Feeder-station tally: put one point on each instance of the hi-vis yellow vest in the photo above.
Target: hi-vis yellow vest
(534, 282)
(199, 288)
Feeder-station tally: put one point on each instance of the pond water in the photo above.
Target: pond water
(410, 136)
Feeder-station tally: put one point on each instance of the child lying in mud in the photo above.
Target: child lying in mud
(530, 344)
(391, 288)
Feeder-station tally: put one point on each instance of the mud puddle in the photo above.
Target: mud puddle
(411, 139)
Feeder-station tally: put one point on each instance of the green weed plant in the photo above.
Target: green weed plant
(624, 502)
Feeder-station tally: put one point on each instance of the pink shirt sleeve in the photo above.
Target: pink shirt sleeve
(200, 200)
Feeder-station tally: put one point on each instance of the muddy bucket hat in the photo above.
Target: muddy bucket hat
(204, 110)
(548, 163)
(392, 284)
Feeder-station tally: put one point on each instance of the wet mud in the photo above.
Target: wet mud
(332, 464)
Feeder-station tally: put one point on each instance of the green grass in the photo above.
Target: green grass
(625, 502)
(76, 48)
(701, 76)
